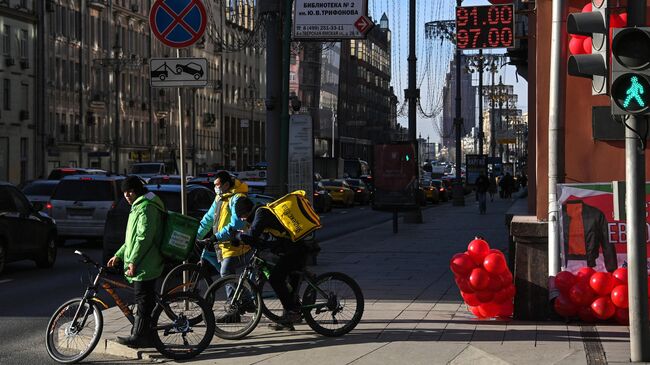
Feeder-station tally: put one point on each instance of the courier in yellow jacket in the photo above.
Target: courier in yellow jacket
(222, 220)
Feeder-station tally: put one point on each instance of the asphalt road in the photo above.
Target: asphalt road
(29, 296)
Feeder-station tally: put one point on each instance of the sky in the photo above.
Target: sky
(433, 56)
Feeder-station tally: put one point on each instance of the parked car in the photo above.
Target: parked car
(205, 181)
(361, 191)
(443, 194)
(39, 191)
(61, 172)
(25, 233)
(322, 198)
(165, 180)
(430, 191)
(147, 170)
(256, 186)
(80, 203)
(340, 191)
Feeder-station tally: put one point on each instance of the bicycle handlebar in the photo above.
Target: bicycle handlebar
(87, 259)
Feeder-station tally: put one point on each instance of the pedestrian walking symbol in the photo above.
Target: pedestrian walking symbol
(634, 92)
(178, 23)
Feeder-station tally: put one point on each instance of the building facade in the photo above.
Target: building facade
(17, 92)
(468, 105)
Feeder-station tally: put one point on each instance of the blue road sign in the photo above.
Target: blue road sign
(178, 23)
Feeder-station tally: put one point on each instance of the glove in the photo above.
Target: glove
(235, 240)
(206, 242)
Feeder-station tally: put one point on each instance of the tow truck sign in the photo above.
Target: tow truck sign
(169, 72)
(331, 19)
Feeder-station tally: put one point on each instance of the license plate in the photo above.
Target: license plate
(80, 212)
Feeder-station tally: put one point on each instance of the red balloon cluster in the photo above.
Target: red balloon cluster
(580, 44)
(592, 295)
(484, 280)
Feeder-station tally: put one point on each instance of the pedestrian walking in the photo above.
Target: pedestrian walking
(492, 189)
(141, 257)
(482, 185)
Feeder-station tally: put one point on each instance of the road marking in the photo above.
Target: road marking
(5, 281)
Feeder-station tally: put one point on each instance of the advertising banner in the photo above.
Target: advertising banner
(475, 165)
(589, 234)
(395, 174)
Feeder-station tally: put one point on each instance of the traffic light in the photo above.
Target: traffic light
(594, 24)
(630, 87)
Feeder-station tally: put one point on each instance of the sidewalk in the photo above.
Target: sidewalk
(413, 311)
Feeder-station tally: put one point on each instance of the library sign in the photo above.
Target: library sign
(331, 19)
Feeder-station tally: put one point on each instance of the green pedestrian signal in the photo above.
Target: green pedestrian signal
(408, 158)
(634, 92)
(630, 71)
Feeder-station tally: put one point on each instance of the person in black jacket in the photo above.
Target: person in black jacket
(266, 232)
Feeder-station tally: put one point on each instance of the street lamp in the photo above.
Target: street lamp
(118, 64)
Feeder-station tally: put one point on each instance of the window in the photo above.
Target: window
(6, 40)
(25, 96)
(23, 43)
(6, 94)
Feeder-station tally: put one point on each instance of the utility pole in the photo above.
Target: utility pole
(273, 93)
(284, 121)
(412, 94)
(635, 212)
(457, 188)
(480, 101)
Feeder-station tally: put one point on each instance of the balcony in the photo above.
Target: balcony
(98, 5)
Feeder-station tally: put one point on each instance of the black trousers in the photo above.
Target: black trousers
(291, 260)
(145, 297)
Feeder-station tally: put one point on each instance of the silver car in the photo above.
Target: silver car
(80, 203)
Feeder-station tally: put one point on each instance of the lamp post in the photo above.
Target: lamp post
(118, 64)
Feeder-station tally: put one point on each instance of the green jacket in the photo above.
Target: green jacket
(143, 236)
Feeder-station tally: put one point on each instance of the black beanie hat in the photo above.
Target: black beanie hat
(133, 183)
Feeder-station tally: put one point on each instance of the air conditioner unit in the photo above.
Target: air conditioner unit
(23, 115)
(9, 61)
(24, 63)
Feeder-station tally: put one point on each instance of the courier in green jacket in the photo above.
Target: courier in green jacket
(141, 257)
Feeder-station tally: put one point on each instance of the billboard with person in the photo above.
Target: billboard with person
(589, 234)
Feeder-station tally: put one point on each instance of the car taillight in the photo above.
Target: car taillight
(442, 189)
(113, 205)
(48, 206)
(358, 191)
(316, 194)
(340, 191)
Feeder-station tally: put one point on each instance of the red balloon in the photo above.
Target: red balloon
(484, 296)
(495, 284)
(479, 279)
(495, 263)
(470, 299)
(564, 307)
(586, 314)
(575, 46)
(602, 283)
(586, 45)
(489, 310)
(581, 294)
(623, 17)
(586, 8)
(619, 296)
(603, 308)
(503, 296)
(477, 250)
(622, 316)
(475, 311)
(463, 285)
(506, 310)
(584, 274)
(615, 21)
(506, 277)
(620, 275)
(564, 280)
(461, 264)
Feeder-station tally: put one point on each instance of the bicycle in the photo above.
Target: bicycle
(332, 303)
(75, 328)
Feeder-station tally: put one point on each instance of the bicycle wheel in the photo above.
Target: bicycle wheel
(336, 307)
(236, 315)
(271, 305)
(198, 280)
(69, 339)
(175, 335)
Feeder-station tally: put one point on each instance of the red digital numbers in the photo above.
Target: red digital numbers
(485, 26)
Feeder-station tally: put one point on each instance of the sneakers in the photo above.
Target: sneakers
(290, 317)
(281, 327)
(231, 316)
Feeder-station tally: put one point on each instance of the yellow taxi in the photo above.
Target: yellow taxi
(340, 191)
(430, 191)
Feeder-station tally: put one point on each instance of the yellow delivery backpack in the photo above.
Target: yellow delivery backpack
(295, 214)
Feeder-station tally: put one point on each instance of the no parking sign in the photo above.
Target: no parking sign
(178, 23)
